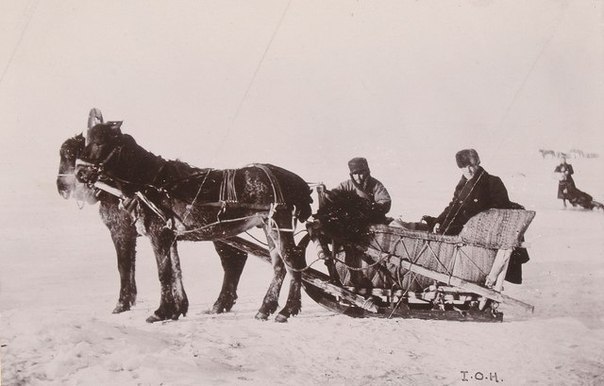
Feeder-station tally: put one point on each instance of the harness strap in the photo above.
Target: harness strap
(227, 186)
(277, 193)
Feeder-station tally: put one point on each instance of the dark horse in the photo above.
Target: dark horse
(124, 234)
(175, 201)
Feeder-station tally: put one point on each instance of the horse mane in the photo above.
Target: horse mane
(73, 145)
(135, 167)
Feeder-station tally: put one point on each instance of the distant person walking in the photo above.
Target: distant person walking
(567, 189)
(566, 184)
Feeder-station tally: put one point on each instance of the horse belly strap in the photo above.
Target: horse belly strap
(227, 186)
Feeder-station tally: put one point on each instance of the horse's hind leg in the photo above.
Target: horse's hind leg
(123, 234)
(233, 261)
(174, 300)
(270, 303)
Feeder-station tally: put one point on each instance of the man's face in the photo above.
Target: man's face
(359, 177)
(469, 171)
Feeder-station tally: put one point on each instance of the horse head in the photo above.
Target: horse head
(111, 155)
(67, 184)
(101, 140)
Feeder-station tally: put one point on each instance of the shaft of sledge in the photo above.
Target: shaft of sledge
(309, 275)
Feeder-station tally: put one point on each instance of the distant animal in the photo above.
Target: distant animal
(545, 153)
(181, 202)
(124, 234)
(578, 153)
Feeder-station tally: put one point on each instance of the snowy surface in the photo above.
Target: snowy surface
(306, 86)
(59, 284)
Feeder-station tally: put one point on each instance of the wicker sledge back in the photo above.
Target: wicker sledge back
(468, 256)
(497, 228)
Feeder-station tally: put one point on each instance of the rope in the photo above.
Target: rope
(215, 223)
(256, 71)
(29, 16)
(190, 206)
(462, 201)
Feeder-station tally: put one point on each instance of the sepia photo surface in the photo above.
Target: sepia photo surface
(307, 86)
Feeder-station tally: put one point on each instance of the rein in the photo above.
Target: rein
(463, 201)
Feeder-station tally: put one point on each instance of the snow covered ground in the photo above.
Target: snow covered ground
(59, 284)
(306, 85)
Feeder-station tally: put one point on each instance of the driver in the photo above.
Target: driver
(365, 186)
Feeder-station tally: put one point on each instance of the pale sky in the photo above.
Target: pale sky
(305, 84)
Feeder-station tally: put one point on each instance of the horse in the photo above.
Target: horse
(176, 201)
(124, 233)
(545, 153)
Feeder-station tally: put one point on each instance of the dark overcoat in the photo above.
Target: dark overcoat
(566, 184)
(473, 196)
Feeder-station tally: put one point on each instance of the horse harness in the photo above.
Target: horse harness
(227, 199)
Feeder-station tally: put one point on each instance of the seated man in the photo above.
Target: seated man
(365, 186)
(475, 192)
(375, 204)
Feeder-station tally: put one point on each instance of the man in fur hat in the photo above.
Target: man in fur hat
(365, 186)
(353, 215)
(477, 191)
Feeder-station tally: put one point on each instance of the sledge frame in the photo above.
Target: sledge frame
(494, 233)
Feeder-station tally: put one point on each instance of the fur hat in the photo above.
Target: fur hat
(358, 164)
(467, 157)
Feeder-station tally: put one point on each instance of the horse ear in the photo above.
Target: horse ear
(115, 125)
(115, 130)
(94, 117)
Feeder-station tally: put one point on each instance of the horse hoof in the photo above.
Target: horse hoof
(217, 309)
(261, 316)
(154, 318)
(120, 308)
(281, 318)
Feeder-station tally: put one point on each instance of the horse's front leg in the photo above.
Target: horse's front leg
(270, 303)
(294, 260)
(233, 261)
(173, 301)
(123, 235)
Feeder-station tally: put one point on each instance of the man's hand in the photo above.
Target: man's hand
(436, 228)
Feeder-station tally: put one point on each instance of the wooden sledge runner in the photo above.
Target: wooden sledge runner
(417, 274)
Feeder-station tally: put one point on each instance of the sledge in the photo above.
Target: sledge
(417, 274)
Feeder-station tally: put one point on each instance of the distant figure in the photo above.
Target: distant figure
(566, 184)
(95, 117)
(567, 190)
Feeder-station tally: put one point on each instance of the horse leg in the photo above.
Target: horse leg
(233, 260)
(173, 301)
(270, 303)
(123, 235)
(294, 261)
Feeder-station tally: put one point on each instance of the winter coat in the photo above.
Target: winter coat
(372, 190)
(473, 196)
(566, 185)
